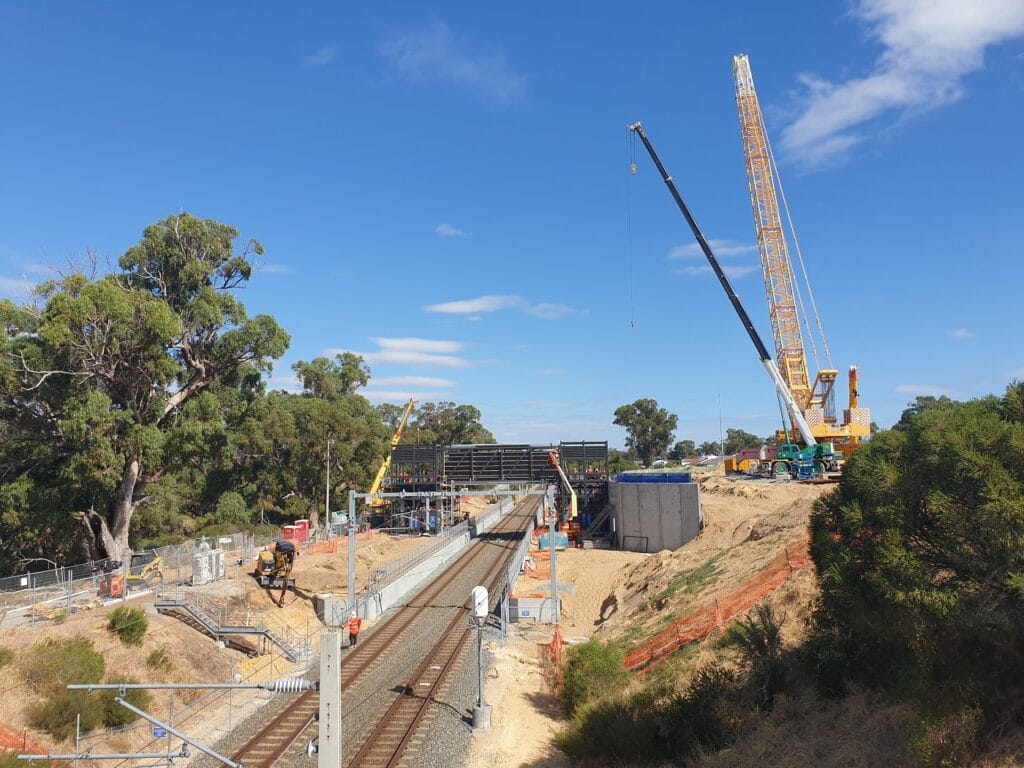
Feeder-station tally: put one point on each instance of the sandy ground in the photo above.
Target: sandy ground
(195, 657)
(746, 524)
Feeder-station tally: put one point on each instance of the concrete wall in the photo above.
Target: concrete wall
(650, 517)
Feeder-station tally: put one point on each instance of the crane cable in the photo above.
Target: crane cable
(631, 158)
(800, 257)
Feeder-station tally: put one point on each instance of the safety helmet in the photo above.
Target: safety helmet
(353, 614)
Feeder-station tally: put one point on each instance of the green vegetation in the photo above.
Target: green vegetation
(691, 581)
(917, 636)
(53, 663)
(129, 624)
(590, 668)
(648, 428)
(159, 661)
(10, 760)
(6, 656)
(134, 403)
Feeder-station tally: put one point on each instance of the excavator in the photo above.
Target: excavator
(274, 568)
(814, 459)
(377, 501)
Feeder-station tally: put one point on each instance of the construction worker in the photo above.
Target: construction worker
(354, 625)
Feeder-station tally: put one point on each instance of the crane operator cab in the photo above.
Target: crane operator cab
(274, 567)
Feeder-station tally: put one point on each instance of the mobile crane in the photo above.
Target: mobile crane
(815, 458)
(377, 501)
(816, 400)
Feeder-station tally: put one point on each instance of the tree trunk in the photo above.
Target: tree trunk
(115, 538)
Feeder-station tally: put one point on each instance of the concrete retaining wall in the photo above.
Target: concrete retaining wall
(650, 517)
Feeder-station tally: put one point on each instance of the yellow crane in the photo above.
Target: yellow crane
(816, 399)
(376, 501)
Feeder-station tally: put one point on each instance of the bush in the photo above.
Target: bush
(53, 663)
(590, 669)
(114, 715)
(758, 638)
(57, 714)
(129, 624)
(10, 760)
(159, 661)
(707, 716)
(623, 728)
(6, 655)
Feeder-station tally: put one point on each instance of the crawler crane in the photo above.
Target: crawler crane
(815, 458)
(816, 401)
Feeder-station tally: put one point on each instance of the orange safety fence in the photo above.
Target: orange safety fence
(554, 654)
(12, 741)
(704, 621)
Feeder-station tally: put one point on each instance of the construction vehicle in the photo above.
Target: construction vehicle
(377, 501)
(274, 567)
(814, 456)
(146, 570)
(815, 400)
(573, 510)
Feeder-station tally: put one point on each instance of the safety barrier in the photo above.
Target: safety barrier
(710, 618)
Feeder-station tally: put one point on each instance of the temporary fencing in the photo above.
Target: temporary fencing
(12, 741)
(709, 618)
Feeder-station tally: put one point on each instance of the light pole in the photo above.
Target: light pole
(482, 710)
(327, 490)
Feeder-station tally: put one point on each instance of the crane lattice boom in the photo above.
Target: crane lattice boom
(771, 240)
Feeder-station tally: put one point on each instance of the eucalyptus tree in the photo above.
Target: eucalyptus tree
(98, 372)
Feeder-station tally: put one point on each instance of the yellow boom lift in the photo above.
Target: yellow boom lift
(815, 400)
(377, 501)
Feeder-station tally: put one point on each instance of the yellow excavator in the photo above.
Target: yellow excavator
(377, 501)
(274, 568)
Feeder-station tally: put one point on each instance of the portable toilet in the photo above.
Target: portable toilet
(290, 532)
(302, 530)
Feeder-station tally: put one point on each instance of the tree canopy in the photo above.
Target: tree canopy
(920, 554)
(649, 428)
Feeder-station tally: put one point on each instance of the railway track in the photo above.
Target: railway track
(484, 560)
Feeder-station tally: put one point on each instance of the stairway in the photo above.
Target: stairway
(210, 626)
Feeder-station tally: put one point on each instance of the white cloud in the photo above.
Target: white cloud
(431, 54)
(13, 287)
(960, 333)
(548, 311)
(412, 381)
(925, 390)
(276, 269)
(722, 248)
(929, 46)
(447, 230)
(321, 57)
(412, 351)
(734, 271)
(287, 383)
(473, 307)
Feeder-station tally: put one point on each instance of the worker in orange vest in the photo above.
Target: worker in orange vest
(354, 625)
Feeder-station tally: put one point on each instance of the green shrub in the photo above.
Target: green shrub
(707, 716)
(615, 729)
(758, 638)
(159, 661)
(10, 760)
(6, 656)
(57, 714)
(60, 616)
(129, 624)
(114, 715)
(590, 669)
(53, 663)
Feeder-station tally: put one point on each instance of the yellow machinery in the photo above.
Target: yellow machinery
(376, 501)
(816, 400)
(553, 458)
(274, 567)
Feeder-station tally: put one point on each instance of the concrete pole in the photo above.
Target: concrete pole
(554, 568)
(329, 745)
(351, 550)
(327, 491)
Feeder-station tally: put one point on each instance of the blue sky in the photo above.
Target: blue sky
(444, 190)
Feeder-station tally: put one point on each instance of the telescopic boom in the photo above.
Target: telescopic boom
(762, 351)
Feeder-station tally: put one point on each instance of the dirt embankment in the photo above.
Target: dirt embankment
(630, 597)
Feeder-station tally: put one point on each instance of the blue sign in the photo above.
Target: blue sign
(158, 732)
